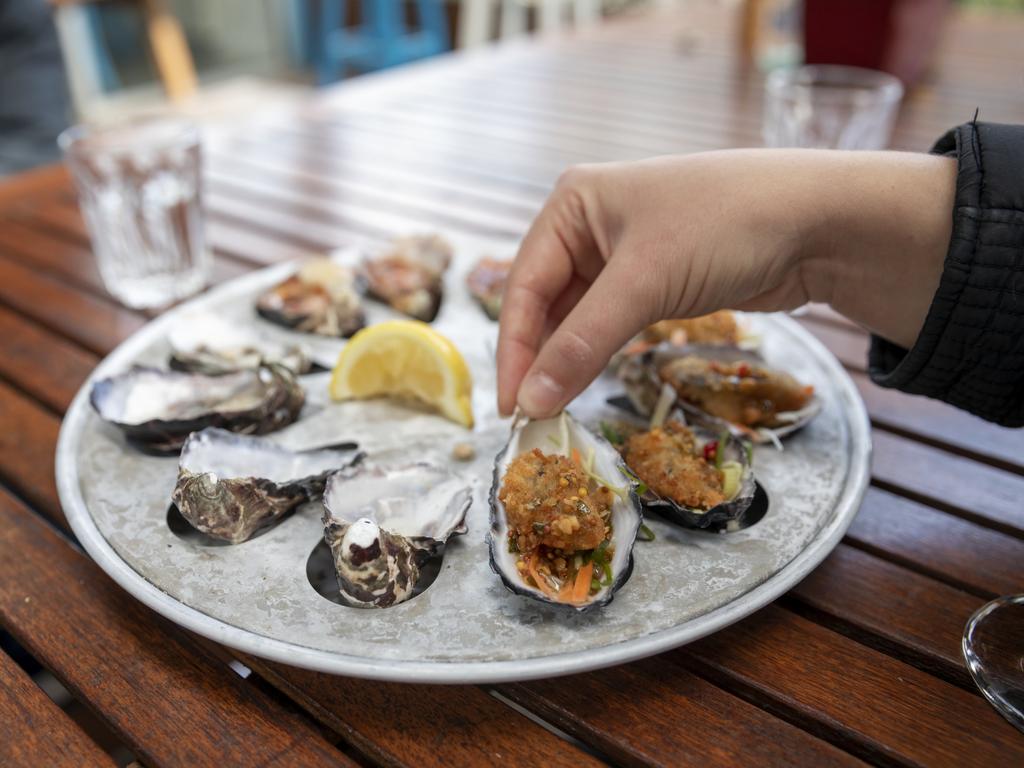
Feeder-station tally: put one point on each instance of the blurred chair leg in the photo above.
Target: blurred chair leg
(170, 51)
(551, 15)
(513, 19)
(434, 22)
(85, 79)
(475, 22)
(586, 11)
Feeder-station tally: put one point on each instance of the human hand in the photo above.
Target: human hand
(619, 246)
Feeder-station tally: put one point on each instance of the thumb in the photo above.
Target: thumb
(611, 312)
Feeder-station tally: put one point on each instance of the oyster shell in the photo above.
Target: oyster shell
(384, 523)
(486, 283)
(408, 275)
(321, 298)
(563, 437)
(673, 461)
(230, 486)
(698, 374)
(157, 410)
(207, 343)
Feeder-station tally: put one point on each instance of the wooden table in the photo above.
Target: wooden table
(860, 662)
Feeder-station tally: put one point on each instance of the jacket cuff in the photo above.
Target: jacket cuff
(970, 351)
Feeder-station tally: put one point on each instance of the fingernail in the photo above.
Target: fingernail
(540, 394)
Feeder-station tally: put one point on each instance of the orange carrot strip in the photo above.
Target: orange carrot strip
(576, 457)
(581, 588)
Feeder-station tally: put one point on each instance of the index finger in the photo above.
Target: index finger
(541, 271)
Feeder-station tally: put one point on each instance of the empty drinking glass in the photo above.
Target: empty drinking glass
(830, 107)
(139, 191)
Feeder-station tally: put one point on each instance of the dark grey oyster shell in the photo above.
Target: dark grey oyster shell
(231, 486)
(157, 410)
(486, 283)
(384, 523)
(644, 387)
(719, 516)
(408, 275)
(560, 435)
(207, 343)
(321, 298)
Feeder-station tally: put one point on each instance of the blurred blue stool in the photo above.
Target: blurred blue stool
(383, 40)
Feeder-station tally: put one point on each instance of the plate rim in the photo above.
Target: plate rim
(476, 672)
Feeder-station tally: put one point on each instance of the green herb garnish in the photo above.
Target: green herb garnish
(610, 434)
(646, 534)
(720, 450)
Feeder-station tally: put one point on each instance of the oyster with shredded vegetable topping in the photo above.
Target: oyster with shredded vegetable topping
(564, 514)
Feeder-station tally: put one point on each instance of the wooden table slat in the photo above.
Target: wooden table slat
(652, 714)
(866, 701)
(957, 551)
(169, 701)
(415, 725)
(35, 730)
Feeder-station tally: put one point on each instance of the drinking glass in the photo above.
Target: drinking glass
(139, 191)
(993, 647)
(830, 107)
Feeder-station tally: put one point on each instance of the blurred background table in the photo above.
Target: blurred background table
(860, 662)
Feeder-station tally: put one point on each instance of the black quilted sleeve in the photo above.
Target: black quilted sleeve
(970, 352)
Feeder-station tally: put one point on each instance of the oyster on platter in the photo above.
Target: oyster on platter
(384, 523)
(231, 486)
(720, 388)
(208, 343)
(157, 410)
(407, 275)
(486, 283)
(321, 298)
(687, 475)
(564, 514)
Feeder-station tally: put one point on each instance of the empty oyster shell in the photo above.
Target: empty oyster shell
(408, 275)
(486, 283)
(321, 298)
(230, 486)
(689, 476)
(383, 523)
(541, 525)
(158, 409)
(207, 343)
(720, 388)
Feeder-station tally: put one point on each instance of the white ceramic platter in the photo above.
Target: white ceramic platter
(465, 628)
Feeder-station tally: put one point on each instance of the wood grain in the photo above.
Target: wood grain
(170, 702)
(28, 442)
(35, 731)
(653, 714)
(414, 725)
(868, 702)
(961, 553)
(40, 362)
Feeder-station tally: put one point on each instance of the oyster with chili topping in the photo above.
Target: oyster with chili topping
(721, 387)
(408, 274)
(322, 298)
(564, 515)
(687, 475)
(486, 283)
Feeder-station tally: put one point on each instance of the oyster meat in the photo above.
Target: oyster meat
(721, 387)
(408, 274)
(157, 410)
(564, 514)
(231, 486)
(384, 523)
(207, 343)
(687, 475)
(486, 283)
(321, 298)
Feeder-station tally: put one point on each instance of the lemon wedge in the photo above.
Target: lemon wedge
(405, 358)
